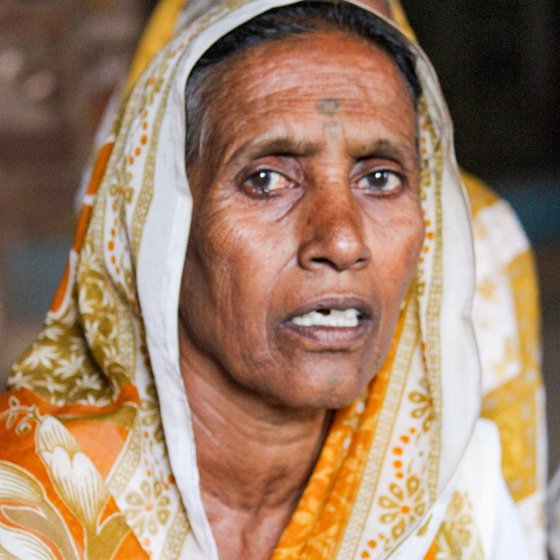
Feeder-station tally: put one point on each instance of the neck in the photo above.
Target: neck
(254, 457)
(248, 458)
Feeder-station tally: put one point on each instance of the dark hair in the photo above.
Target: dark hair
(282, 22)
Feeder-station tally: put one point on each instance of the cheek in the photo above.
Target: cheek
(240, 262)
(402, 233)
(218, 282)
(397, 264)
(207, 273)
(409, 242)
(412, 240)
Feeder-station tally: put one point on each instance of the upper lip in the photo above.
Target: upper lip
(334, 302)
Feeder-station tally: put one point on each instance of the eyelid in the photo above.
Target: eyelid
(251, 188)
(285, 165)
(371, 164)
(280, 163)
(381, 191)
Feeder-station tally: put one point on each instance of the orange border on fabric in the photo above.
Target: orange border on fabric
(127, 395)
(83, 222)
(432, 552)
(99, 167)
(130, 548)
(96, 176)
(61, 290)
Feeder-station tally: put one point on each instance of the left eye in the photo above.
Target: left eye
(382, 182)
(265, 182)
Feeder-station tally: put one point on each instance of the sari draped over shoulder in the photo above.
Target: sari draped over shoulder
(98, 457)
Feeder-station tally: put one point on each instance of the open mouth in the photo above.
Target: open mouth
(333, 323)
(332, 318)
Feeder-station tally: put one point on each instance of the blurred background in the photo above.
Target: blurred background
(499, 64)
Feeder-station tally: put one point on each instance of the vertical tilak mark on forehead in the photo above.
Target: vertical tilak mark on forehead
(327, 106)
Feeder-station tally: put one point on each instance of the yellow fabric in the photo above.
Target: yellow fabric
(158, 31)
(400, 18)
(514, 402)
(480, 195)
(516, 405)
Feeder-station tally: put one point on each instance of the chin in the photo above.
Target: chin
(329, 389)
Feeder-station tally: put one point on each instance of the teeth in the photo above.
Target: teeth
(329, 318)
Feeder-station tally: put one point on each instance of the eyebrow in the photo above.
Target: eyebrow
(273, 146)
(382, 148)
(386, 149)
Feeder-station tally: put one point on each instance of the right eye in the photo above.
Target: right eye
(266, 182)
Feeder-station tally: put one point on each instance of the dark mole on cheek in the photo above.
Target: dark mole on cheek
(327, 106)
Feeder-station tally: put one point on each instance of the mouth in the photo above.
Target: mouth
(332, 323)
(333, 318)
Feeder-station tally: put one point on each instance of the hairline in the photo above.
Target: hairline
(199, 79)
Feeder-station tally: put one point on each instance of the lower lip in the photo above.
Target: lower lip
(329, 338)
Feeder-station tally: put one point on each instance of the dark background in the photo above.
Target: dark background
(499, 65)
(498, 62)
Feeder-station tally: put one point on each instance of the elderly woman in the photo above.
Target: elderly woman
(262, 345)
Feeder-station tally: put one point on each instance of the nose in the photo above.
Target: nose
(333, 232)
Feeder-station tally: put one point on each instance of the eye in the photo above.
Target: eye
(380, 182)
(266, 182)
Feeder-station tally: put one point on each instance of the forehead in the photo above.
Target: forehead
(284, 83)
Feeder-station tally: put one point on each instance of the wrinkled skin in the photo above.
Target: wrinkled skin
(306, 195)
(254, 261)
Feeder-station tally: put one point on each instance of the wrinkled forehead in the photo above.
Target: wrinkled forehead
(266, 102)
(291, 26)
(208, 27)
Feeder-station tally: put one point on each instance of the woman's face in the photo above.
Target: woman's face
(307, 224)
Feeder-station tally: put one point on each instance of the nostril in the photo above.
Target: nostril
(321, 260)
(339, 264)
